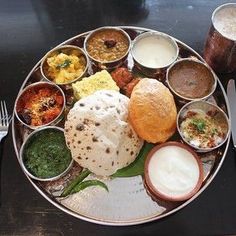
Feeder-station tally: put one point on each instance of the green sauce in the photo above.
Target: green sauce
(46, 154)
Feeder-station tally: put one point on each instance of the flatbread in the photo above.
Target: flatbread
(99, 135)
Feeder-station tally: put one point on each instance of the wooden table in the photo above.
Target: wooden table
(28, 29)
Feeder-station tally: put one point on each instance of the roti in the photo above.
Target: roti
(99, 135)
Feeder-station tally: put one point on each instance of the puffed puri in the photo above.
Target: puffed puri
(152, 111)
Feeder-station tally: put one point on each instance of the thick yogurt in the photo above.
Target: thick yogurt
(154, 51)
(173, 171)
(225, 22)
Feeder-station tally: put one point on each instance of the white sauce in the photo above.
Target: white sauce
(173, 171)
(225, 22)
(154, 52)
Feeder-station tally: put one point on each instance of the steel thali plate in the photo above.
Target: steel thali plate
(127, 202)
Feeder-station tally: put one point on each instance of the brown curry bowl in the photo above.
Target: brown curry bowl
(110, 40)
(157, 193)
(191, 79)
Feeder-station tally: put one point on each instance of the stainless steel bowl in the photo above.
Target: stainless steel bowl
(207, 108)
(36, 86)
(65, 49)
(194, 62)
(22, 151)
(152, 70)
(107, 64)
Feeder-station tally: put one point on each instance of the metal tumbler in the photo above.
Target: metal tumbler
(220, 47)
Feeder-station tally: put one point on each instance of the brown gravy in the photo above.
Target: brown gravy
(191, 79)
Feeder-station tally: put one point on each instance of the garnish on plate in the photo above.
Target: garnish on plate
(88, 183)
(64, 64)
(78, 184)
(200, 124)
(67, 190)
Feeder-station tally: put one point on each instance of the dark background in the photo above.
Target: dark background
(28, 29)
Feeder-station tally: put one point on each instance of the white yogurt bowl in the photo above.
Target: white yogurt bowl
(173, 172)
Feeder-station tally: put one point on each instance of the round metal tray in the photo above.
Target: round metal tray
(127, 202)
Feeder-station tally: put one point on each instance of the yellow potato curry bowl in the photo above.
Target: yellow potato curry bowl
(64, 65)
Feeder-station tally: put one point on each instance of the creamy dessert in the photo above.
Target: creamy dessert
(154, 50)
(173, 172)
(224, 21)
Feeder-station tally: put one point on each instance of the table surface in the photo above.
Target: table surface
(28, 30)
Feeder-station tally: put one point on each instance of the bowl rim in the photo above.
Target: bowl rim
(161, 195)
(151, 34)
(34, 85)
(56, 49)
(22, 150)
(182, 60)
(198, 149)
(116, 28)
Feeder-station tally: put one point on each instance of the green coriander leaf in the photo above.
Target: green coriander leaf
(65, 64)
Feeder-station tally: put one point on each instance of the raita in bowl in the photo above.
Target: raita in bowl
(203, 125)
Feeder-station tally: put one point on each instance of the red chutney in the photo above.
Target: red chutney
(39, 106)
